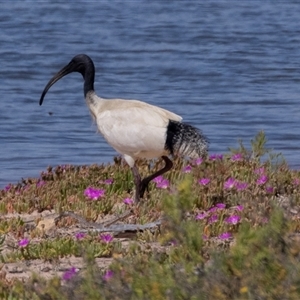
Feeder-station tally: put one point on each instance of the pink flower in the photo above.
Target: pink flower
(93, 194)
(128, 201)
(201, 216)
(215, 157)
(163, 184)
(233, 220)
(108, 181)
(158, 179)
(204, 181)
(262, 180)
(240, 207)
(269, 189)
(7, 188)
(80, 235)
(260, 171)
(220, 205)
(240, 186)
(108, 275)
(237, 157)
(69, 274)
(213, 209)
(23, 243)
(213, 219)
(106, 238)
(296, 181)
(40, 183)
(187, 169)
(229, 183)
(198, 161)
(225, 236)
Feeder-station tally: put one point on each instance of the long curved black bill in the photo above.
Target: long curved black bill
(63, 72)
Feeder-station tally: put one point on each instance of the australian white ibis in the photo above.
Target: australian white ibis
(134, 128)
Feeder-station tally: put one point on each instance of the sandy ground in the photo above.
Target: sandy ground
(47, 223)
(24, 270)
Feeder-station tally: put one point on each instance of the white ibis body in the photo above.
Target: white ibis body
(134, 128)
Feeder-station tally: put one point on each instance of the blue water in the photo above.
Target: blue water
(230, 68)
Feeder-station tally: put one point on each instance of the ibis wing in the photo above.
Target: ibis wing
(138, 130)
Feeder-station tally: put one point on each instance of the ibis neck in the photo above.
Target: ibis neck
(89, 77)
(87, 69)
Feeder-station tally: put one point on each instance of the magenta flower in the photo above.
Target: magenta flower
(215, 157)
(187, 169)
(229, 183)
(225, 236)
(80, 235)
(198, 161)
(260, 171)
(262, 180)
(240, 207)
(201, 216)
(23, 243)
(240, 186)
(108, 275)
(213, 219)
(128, 201)
(69, 274)
(93, 194)
(296, 181)
(269, 189)
(108, 181)
(233, 220)
(237, 157)
(220, 205)
(163, 184)
(204, 181)
(7, 188)
(213, 209)
(158, 179)
(40, 183)
(106, 238)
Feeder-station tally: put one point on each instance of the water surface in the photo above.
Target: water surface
(231, 69)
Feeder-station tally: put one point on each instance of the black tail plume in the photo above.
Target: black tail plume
(185, 140)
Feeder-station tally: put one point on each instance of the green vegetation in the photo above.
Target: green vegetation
(229, 230)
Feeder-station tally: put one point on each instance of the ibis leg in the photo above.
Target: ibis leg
(137, 182)
(144, 183)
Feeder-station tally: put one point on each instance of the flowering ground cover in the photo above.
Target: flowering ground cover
(228, 229)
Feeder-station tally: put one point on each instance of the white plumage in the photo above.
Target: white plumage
(134, 128)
